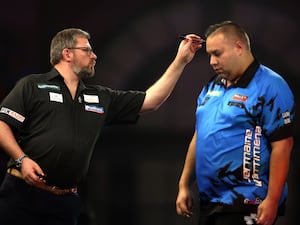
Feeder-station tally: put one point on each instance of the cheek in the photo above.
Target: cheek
(81, 62)
(229, 61)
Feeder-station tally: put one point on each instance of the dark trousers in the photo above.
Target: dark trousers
(23, 204)
(228, 219)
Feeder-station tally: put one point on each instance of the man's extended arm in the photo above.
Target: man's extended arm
(157, 94)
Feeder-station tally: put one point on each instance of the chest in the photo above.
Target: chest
(58, 106)
(230, 106)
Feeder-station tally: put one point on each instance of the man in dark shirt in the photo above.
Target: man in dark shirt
(50, 123)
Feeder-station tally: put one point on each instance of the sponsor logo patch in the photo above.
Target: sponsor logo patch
(240, 97)
(56, 97)
(49, 86)
(91, 98)
(94, 108)
(12, 114)
(256, 201)
(252, 156)
(214, 93)
(286, 117)
(251, 219)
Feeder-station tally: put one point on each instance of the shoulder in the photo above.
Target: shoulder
(272, 85)
(267, 78)
(268, 74)
(103, 89)
(97, 88)
(35, 77)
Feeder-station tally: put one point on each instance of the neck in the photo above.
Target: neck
(70, 78)
(248, 60)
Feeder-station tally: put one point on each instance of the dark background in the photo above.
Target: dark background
(135, 169)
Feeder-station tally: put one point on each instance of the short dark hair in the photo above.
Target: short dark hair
(228, 27)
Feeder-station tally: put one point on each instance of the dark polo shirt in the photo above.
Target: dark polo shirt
(60, 133)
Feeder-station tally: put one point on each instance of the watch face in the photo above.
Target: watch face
(19, 161)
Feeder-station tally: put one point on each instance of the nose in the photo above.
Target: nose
(212, 61)
(93, 55)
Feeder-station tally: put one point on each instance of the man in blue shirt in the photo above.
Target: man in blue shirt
(239, 154)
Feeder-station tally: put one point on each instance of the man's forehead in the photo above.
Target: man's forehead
(216, 36)
(214, 42)
(83, 40)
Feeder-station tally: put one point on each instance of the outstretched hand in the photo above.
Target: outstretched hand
(188, 47)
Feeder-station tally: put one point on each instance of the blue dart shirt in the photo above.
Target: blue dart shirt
(235, 126)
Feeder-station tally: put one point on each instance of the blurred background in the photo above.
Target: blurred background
(134, 173)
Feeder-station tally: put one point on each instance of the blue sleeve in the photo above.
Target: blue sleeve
(279, 110)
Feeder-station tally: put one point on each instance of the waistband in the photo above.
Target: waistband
(211, 208)
(52, 189)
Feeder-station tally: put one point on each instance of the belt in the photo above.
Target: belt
(52, 189)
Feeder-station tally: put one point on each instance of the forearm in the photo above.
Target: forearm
(188, 175)
(158, 93)
(279, 166)
(8, 141)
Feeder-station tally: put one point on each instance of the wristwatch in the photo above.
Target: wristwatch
(18, 162)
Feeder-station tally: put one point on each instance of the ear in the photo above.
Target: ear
(239, 46)
(67, 54)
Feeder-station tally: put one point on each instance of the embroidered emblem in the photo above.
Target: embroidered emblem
(91, 98)
(250, 219)
(49, 86)
(56, 97)
(240, 97)
(94, 108)
(12, 114)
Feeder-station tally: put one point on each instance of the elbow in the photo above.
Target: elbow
(149, 107)
(156, 107)
(291, 143)
(153, 103)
